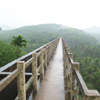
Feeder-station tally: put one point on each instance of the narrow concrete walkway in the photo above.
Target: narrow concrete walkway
(52, 85)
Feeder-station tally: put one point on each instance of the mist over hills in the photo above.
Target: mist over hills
(38, 35)
(6, 27)
(94, 29)
(43, 33)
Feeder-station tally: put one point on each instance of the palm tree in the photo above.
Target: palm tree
(19, 42)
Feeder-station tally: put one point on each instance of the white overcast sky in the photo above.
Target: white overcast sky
(74, 13)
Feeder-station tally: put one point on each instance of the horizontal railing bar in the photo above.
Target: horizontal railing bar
(29, 82)
(93, 94)
(27, 63)
(39, 54)
(28, 73)
(71, 60)
(23, 57)
(8, 79)
(30, 59)
(84, 87)
(38, 69)
(7, 73)
(43, 50)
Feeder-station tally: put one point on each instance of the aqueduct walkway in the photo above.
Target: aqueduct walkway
(52, 85)
(48, 73)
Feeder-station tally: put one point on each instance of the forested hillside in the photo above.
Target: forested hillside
(86, 48)
(94, 31)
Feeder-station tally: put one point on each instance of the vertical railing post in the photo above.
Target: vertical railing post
(21, 81)
(41, 62)
(69, 76)
(75, 85)
(64, 63)
(52, 50)
(45, 58)
(48, 53)
(34, 70)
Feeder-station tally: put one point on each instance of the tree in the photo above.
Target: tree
(19, 42)
(7, 53)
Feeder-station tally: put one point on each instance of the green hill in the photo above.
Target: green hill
(85, 47)
(38, 35)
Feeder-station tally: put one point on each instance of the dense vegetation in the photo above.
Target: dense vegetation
(19, 42)
(86, 48)
(94, 31)
(8, 53)
(89, 58)
(35, 35)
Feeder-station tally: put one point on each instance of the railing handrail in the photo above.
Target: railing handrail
(23, 57)
(74, 73)
(44, 53)
(83, 84)
(87, 92)
(9, 79)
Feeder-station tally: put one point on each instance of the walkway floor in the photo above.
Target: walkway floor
(52, 85)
